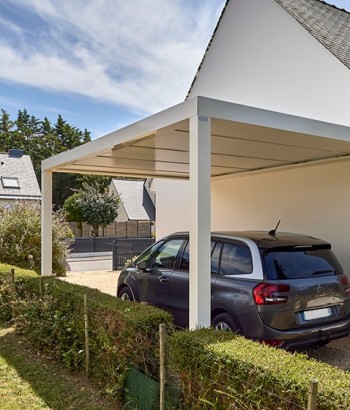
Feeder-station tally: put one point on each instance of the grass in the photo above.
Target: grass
(31, 381)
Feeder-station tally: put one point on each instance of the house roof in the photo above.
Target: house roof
(327, 23)
(20, 169)
(135, 199)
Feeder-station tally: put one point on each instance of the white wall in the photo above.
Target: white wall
(262, 57)
(312, 200)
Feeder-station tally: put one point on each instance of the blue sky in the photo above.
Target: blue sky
(102, 64)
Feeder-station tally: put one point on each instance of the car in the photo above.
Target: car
(284, 289)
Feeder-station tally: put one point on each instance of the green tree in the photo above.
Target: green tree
(97, 208)
(20, 237)
(40, 140)
(72, 208)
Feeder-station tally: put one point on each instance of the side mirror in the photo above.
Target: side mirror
(142, 265)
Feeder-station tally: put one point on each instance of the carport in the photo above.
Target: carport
(200, 139)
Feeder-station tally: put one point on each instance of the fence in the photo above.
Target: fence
(126, 229)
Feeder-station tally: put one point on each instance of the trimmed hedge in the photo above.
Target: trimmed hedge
(7, 291)
(121, 334)
(223, 371)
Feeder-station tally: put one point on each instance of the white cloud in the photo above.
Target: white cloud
(140, 54)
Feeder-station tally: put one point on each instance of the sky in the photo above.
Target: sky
(102, 64)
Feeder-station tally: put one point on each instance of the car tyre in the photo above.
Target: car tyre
(224, 322)
(125, 294)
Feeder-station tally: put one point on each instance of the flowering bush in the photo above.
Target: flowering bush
(20, 237)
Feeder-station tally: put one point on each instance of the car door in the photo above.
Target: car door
(160, 266)
(178, 289)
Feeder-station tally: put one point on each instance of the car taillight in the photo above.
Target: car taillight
(269, 294)
(345, 282)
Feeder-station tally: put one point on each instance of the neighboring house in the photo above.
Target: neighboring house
(136, 202)
(290, 56)
(17, 178)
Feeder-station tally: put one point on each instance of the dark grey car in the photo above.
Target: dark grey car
(280, 288)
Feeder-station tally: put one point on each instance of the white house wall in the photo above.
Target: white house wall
(312, 200)
(261, 56)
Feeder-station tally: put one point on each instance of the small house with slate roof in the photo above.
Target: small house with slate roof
(287, 56)
(17, 178)
(136, 203)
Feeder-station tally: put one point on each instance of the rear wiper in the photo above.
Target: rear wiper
(320, 272)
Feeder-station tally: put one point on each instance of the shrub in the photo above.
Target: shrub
(20, 237)
(225, 371)
(9, 291)
(121, 334)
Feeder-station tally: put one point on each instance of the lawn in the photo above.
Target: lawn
(29, 380)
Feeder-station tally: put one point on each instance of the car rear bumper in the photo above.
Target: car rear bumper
(297, 338)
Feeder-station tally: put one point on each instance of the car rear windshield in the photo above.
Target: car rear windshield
(298, 263)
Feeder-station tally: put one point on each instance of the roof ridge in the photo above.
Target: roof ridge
(334, 6)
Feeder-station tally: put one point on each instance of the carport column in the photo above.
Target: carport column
(46, 223)
(200, 164)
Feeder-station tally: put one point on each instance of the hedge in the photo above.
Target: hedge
(6, 287)
(212, 370)
(121, 334)
(225, 371)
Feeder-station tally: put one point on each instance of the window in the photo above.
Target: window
(294, 263)
(215, 257)
(235, 260)
(10, 182)
(185, 260)
(165, 257)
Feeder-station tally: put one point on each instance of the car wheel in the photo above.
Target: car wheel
(225, 323)
(125, 294)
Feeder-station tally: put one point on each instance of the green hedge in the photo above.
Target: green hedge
(50, 312)
(221, 371)
(7, 290)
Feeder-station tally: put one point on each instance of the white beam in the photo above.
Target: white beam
(200, 269)
(46, 223)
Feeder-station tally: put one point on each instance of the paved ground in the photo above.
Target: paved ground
(93, 271)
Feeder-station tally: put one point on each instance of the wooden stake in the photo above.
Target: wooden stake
(86, 328)
(162, 378)
(312, 398)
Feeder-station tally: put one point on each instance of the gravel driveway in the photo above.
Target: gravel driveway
(336, 353)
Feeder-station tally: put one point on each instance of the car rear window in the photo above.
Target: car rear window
(296, 263)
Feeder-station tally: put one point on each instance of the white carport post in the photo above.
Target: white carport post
(200, 164)
(46, 223)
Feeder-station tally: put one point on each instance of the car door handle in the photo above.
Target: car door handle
(163, 279)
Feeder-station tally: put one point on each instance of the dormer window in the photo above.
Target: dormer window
(10, 182)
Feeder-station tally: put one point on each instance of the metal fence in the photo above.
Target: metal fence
(126, 248)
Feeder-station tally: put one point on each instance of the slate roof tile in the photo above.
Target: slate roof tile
(325, 22)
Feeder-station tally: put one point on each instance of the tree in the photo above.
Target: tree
(40, 140)
(20, 237)
(97, 208)
(72, 207)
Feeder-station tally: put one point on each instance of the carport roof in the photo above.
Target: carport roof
(243, 139)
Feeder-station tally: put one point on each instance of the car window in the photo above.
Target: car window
(294, 264)
(147, 253)
(215, 257)
(235, 260)
(185, 259)
(165, 256)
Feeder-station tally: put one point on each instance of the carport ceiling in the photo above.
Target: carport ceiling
(244, 139)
